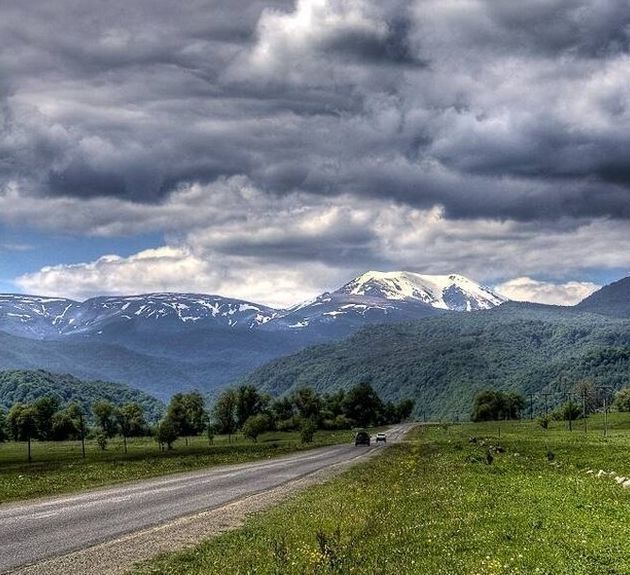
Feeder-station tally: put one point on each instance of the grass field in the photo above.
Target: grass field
(435, 506)
(58, 467)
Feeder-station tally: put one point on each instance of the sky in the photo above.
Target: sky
(273, 149)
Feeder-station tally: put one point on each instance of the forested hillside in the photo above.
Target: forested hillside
(156, 363)
(442, 362)
(612, 300)
(29, 385)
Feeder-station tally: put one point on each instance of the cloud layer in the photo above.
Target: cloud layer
(236, 240)
(527, 289)
(316, 138)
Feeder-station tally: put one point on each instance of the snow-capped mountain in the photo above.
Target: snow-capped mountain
(41, 317)
(373, 297)
(175, 308)
(34, 316)
(379, 297)
(451, 292)
(162, 342)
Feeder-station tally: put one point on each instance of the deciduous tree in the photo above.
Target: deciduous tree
(166, 433)
(104, 412)
(45, 408)
(224, 412)
(363, 405)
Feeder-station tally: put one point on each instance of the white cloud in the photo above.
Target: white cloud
(177, 269)
(289, 47)
(232, 239)
(243, 243)
(528, 289)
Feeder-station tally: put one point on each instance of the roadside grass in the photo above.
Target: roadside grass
(434, 506)
(58, 467)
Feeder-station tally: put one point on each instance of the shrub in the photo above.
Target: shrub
(255, 425)
(101, 440)
(166, 433)
(622, 399)
(307, 431)
(290, 424)
(569, 410)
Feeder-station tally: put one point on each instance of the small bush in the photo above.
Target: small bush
(622, 399)
(101, 440)
(255, 425)
(307, 431)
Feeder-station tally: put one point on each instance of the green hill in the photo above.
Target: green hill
(28, 385)
(442, 362)
(613, 300)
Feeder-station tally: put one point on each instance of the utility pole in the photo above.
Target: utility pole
(82, 434)
(605, 389)
(546, 395)
(570, 410)
(584, 408)
(531, 406)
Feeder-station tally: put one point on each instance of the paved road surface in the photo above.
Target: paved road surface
(30, 532)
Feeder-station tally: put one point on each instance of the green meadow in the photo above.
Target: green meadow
(58, 467)
(438, 504)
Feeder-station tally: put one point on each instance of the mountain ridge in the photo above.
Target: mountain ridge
(232, 338)
(389, 296)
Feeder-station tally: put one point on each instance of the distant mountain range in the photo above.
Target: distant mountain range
(163, 342)
(372, 297)
(166, 342)
(53, 318)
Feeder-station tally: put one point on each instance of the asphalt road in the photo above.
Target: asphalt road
(33, 531)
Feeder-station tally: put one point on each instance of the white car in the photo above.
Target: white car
(381, 438)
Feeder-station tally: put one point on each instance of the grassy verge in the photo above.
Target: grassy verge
(435, 506)
(59, 468)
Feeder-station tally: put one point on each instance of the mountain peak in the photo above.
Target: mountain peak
(449, 292)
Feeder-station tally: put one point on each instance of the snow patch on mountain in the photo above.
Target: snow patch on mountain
(41, 317)
(373, 297)
(449, 292)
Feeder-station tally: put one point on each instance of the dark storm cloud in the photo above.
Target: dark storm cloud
(392, 48)
(591, 29)
(490, 109)
(345, 245)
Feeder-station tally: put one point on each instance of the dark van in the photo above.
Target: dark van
(362, 438)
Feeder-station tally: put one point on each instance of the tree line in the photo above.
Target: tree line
(253, 413)
(27, 386)
(493, 405)
(243, 409)
(44, 420)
